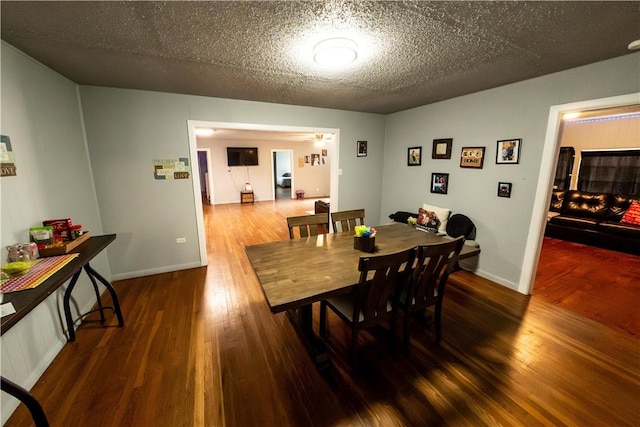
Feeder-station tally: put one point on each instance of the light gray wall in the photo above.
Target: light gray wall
(127, 129)
(41, 115)
(519, 110)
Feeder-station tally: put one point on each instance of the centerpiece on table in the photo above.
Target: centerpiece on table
(364, 239)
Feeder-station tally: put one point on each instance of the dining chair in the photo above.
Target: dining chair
(425, 287)
(308, 225)
(368, 304)
(347, 219)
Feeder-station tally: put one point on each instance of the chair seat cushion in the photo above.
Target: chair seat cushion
(576, 222)
(344, 304)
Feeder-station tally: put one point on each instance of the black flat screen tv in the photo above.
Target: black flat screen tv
(242, 156)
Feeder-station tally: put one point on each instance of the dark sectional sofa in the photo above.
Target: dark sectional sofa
(593, 219)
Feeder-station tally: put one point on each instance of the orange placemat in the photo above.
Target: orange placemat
(41, 270)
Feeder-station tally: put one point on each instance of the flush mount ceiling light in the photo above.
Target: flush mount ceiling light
(569, 116)
(335, 52)
(204, 132)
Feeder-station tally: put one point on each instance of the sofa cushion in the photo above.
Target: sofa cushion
(575, 222)
(584, 204)
(618, 205)
(460, 225)
(632, 215)
(620, 229)
(557, 198)
(402, 216)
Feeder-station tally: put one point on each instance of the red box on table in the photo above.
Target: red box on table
(61, 228)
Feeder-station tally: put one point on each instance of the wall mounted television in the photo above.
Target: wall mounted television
(242, 156)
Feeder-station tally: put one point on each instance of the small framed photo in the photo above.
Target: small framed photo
(324, 152)
(442, 148)
(504, 189)
(472, 157)
(508, 151)
(362, 148)
(414, 156)
(439, 183)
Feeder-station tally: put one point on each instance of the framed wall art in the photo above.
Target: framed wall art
(362, 149)
(504, 189)
(439, 183)
(414, 156)
(508, 151)
(442, 148)
(472, 157)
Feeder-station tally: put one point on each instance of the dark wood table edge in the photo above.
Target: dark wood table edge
(26, 300)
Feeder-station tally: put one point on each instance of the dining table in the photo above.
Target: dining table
(296, 273)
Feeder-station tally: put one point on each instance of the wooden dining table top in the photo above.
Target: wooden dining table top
(298, 272)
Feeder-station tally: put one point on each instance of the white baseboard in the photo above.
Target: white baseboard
(152, 271)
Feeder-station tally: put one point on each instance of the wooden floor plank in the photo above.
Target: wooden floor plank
(200, 348)
(597, 283)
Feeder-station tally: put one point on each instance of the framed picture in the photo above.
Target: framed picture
(414, 156)
(439, 183)
(472, 157)
(442, 148)
(508, 151)
(362, 148)
(504, 189)
(324, 152)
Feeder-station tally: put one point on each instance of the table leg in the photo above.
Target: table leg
(302, 319)
(114, 296)
(93, 275)
(32, 404)
(66, 302)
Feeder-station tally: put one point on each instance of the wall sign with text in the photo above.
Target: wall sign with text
(171, 168)
(7, 157)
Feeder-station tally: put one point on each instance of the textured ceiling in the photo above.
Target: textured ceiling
(411, 53)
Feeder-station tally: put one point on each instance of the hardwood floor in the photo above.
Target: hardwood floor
(200, 348)
(600, 284)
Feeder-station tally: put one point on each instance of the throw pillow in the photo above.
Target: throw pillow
(442, 214)
(428, 221)
(632, 215)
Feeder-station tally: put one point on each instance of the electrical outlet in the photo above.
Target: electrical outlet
(181, 240)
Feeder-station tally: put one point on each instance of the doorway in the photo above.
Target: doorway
(206, 183)
(547, 176)
(333, 150)
(282, 166)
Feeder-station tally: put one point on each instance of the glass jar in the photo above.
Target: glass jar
(18, 252)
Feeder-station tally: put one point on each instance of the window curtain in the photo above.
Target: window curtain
(562, 180)
(615, 171)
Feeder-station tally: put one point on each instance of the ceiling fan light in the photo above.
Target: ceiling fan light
(335, 52)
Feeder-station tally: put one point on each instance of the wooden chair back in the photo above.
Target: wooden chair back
(368, 305)
(434, 263)
(378, 277)
(347, 220)
(308, 225)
